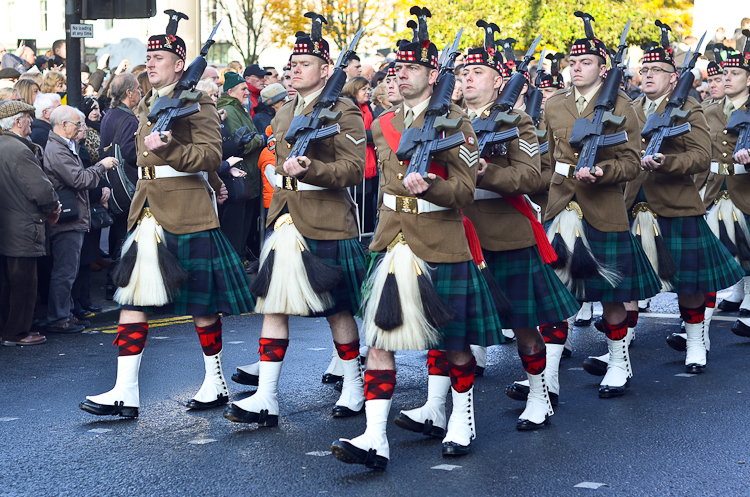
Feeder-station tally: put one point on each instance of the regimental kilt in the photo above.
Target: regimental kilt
(704, 264)
(536, 294)
(622, 251)
(349, 255)
(747, 221)
(464, 290)
(217, 282)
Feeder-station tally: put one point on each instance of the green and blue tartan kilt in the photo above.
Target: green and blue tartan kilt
(703, 263)
(622, 251)
(747, 220)
(535, 292)
(349, 255)
(217, 282)
(464, 290)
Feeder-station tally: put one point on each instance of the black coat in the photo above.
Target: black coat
(264, 114)
(40, 132)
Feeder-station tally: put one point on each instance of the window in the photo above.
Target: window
(43, 14)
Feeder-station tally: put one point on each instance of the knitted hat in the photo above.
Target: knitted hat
(232, 79)
(273, 93)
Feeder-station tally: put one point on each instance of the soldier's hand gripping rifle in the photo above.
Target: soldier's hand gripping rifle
(486, 129)
(419, 145)
(305, 130)
(739, 120)
(184, 101)
(534, 107)
(588, 135)
(658, 127)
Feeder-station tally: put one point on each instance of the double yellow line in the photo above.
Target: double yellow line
(155, 323)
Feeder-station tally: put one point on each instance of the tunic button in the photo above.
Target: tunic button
(724, 143)
(145, 154)
(575, 155)
(400, 163)
(288, 145)
(643, 140)
(400, 175)
(725, 132)
(724, 154)
(148, 123)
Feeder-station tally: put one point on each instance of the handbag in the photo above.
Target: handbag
(69, 210)
(100, 217)
(121, 186)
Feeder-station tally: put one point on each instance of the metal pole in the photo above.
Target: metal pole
(73, 47)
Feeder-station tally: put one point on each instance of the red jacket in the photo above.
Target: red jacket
(254, 96)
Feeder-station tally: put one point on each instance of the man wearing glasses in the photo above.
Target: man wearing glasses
(668, 199)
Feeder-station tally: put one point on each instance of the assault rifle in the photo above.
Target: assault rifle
(419, 145)
(588, 135)
(534, 108)
(658, 127)
(305, 130)
(739, 120)
(167, 110)
(486, 129)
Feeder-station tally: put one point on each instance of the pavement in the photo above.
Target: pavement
(671, 434)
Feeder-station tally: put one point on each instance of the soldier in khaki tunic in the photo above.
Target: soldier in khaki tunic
(424, 265)
(587, 209)
(175, 259)
(665, 196)
(312, 231)
(729, 215)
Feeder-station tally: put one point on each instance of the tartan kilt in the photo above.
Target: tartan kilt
(349, 255)
(622, 251)
(534, 290)
(462, 287)
(703, 263)
(217, 282)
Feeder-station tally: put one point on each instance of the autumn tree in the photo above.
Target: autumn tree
(250, 22)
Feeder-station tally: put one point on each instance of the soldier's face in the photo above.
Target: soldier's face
(716, 86)
(658, 78)
(391, 84)
(586, 70)
(736, 82)
(546, 93)
(414, 79)
(308, 72)
(481, 84)
(163, 68)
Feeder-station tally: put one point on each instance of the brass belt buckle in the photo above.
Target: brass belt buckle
(290, 183)
(571, 171)
(148, 172)
(726, 169)
(406, 204)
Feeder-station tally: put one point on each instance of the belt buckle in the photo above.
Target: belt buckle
(571, 171)
(726, 169)
(643, 207)
(290, 183)
(149, 172)
(407, 205)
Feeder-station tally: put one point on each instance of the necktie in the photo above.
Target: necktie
(472, 114)
(651, 109)
(581, 104)
(300, 106)
(728, 108)
(408, 118)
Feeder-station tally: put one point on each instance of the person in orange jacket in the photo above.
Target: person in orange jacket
(267, 165)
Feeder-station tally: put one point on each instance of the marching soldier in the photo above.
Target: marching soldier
(665, 204)
(312, 263)
(175, 258)
(587, 210)
(424, 264)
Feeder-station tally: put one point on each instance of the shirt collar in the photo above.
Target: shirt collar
(647, 101)
(310, 98)
(480, 111)
(73, 146)
(740, 102)
(417, 109)
(589, 96)
(163, 92)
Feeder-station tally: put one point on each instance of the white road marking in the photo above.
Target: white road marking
(445, 467)
(202, 441)
(317, 349)
(319, 453)
(99, 430)
(590, 484)
(5, 420)
(575, 369)
(685, 375)
(159, 338)
(236, 342)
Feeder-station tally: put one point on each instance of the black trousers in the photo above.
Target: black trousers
(117, 234)
(239, 218)
(18, 277)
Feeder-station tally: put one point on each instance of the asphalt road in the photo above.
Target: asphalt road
(670, 435)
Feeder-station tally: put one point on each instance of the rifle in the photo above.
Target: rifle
(739, 120)
(167, 110)
(588, 135)
(305, 130)
(486, 129)
(534, 108)
(658, 127)
(419, 145)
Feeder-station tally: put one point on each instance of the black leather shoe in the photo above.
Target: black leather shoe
(582, 322)
(521, 392)
(695, 368)
(599, 324)
(566, 353)
(339, 385)
(234, 413)
(677, 342)
(331, 378)
(526, 425)
(244, 378)
(348, 453)
(607, 392)
(202, 406)
(595, 366)
(90, 306)
(426, 428)
(728, 306)
(741, 329)
(745, 313)
(116, 410)
(110, 292)
(345, 412)
(81, 313)
(452, 449)
(479, 371)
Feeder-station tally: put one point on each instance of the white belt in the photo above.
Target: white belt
(289, 183)
(410, 205)
(567, 170)
(159, 172)
(480, 194)
(728, 169)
